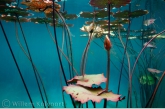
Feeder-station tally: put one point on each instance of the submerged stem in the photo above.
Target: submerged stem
(62, 51)
(69, 34)
(154, 93)
(108, 76)
(125, 52)
(84, 56)
(139, 57)
(35, 68)
(108, 70)
(17, 65)
(30, 59)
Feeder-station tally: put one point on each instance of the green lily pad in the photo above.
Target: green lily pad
(41, 20)
(13, 11)
(98, 14)
(127, 14)
(114, 3)
(69, 16)
(61, 25)
(13, 19)
(100, 22)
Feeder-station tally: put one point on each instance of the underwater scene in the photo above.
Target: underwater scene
(82, 53)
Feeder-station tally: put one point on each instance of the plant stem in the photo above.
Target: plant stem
(125, 52)
(17, 65)
(84, 56)
(35, 68)
(76, 73)
(108, 70)
(94, 104)
(139, 57)
(149, 104)
(28, 51)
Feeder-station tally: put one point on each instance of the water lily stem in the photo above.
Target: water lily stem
(132, 72)
(108, 69)
(84, 56)
(19, 71)
(154, 93)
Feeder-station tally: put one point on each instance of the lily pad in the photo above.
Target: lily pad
(112, 26)
(40, 5)
(69, 16)
(88, 80)
(41, 20)
(50, 15)
(102, 13)
(86, 14)
(61, 25)
(13, 11)
(100, 22)
(114, 3)
(13, 19)
(138, 13)
(98, 14)
(84, 94)
(121, 21)
(127, 14)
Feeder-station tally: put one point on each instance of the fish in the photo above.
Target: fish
(154, 70)
(149, 45)
(149, 22)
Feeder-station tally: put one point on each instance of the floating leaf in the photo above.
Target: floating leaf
(121, 21)
(50, 15)
(102, 13)
(69, 16)
(103, 3)
(61, 25)
(138, 13)
(84, 94)
(127, 14)
(13, 19)
(112, 26)
(86, 14)
(88, 80)
(41, 5)
(41, 20)
(100, 22)
(13, 11)
(98, 14)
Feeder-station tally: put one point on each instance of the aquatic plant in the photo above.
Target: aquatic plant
(139, 56)
(27, 91)
(149, 104)
(147, 79)
(143, 83)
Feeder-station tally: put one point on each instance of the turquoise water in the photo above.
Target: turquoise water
(45, 58)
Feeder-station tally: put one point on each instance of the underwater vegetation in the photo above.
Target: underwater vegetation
(85, 53)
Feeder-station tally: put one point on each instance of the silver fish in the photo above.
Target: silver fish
(154, 70)
(149, 45)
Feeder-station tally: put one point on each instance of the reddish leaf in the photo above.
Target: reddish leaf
(88, 80)
(84, 94)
